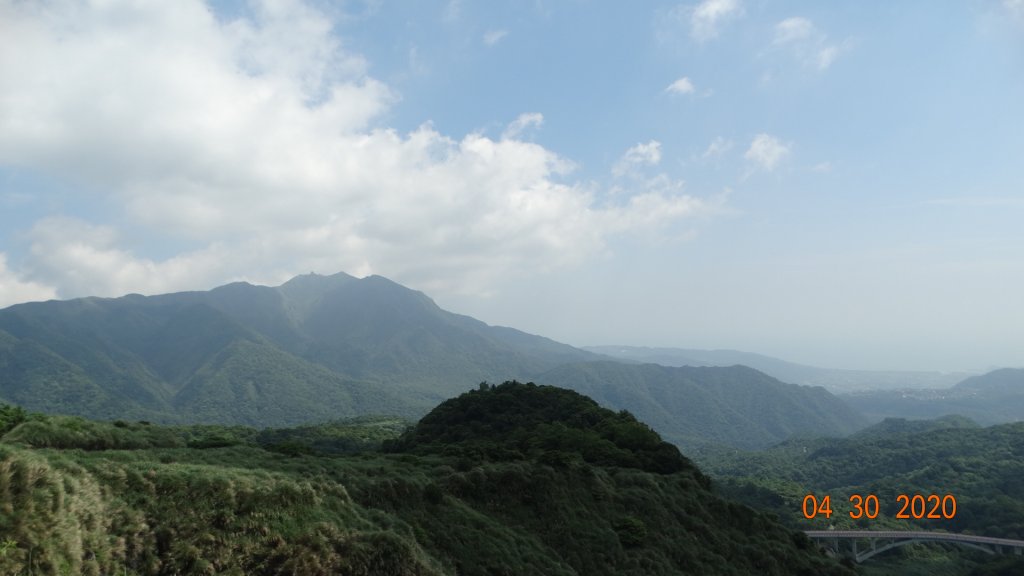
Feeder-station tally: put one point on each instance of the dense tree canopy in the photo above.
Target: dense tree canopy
(514, 420)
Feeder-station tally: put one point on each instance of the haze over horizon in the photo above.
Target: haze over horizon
(839, 186)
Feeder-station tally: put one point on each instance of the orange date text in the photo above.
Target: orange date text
(910, 506)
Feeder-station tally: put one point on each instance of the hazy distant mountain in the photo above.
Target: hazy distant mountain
(316, 347)
(326, 347)
(375, 328)
(691, 406)
(167, 359)
(992, 398)
(1002, 382)
(834, 379)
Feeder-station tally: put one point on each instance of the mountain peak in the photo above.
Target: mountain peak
(302, 293)
(314, 279)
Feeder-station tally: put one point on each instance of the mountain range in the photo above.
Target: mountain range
(993, 398)
(693, 406)
(319, 348)
(835, 380)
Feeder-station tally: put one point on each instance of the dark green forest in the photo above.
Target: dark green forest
(983, 468)
(508, 479)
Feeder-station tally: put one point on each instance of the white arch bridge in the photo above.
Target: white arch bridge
(880, 541)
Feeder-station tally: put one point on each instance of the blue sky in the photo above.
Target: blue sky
(839, 184)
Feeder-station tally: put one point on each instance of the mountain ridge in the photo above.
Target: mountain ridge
(835, 379)
(690, 405)
(995, 397)
(321, 347)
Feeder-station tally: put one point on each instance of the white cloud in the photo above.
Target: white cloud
(766, 152)
(492, 37)
(88, 260)
(521, 124)
(654, 209)
(14, 290)
(681, 86)
(257, 147)
(638, 156)
(1015, 7)
(824, 57)
(708, 16)
(793, 30)
(718, 147)
(807, 43)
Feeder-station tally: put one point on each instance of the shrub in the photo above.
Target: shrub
(632, 531)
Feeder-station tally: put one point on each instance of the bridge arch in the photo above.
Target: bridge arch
(892, 539)
(897, 543)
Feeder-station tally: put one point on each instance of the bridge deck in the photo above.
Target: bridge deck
(917, 535)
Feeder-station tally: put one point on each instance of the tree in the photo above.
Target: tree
(11, 416)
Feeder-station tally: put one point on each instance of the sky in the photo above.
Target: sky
(839, 184)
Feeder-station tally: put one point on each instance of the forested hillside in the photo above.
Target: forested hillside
(982, 468)
(323, 347)
(512, 479)
(311, 348)
(694, 407)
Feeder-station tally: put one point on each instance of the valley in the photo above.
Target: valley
(511, 288)
(335, 425)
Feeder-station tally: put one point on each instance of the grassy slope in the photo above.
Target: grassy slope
(136, 499)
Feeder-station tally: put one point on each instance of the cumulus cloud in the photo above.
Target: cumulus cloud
(254, 149)
(681, 86)
(707, 17)
(492, 37)
(718, 147)
(793, 30)
(654, 209)
(638, 156)
(809, 44)
(88, 259)
(521, 124)
(766, 152)
(14, 289)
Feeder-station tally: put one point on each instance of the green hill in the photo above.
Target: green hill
(514, 421)
(982, 468)
(892, 426)
(552, 484)
(1002, 382)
